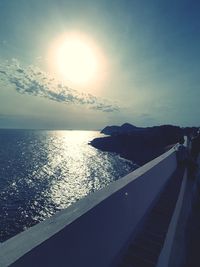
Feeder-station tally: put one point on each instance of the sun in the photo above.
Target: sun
(75, 59)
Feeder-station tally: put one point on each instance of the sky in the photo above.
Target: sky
(147, 56)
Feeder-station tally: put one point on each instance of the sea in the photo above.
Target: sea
(42, 172)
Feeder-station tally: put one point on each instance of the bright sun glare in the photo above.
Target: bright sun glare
(75, 59)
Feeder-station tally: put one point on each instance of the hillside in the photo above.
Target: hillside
(138, 144)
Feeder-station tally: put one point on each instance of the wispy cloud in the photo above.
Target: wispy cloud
(31, 80)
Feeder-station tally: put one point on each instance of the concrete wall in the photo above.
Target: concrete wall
(174, 251)
(94, 230)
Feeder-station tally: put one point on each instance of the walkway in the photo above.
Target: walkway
(145, 248)
(193, 227)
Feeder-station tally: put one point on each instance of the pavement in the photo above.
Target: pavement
(146, 246)
(192, 232)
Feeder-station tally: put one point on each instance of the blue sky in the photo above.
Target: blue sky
(151, 50)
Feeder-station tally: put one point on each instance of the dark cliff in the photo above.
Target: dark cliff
(138, 144)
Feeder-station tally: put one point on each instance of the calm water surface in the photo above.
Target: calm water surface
(42, 172)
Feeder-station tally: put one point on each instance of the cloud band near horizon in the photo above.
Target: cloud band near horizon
(31, 80)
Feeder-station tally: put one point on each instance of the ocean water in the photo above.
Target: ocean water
(42, 172)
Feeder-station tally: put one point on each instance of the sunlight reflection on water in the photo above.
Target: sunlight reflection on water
(45, 171)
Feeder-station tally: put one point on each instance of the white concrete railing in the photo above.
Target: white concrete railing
(94, 230)
(174, 243)
(174, 250)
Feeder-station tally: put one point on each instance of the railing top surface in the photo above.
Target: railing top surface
(88, 202)
(37, 234)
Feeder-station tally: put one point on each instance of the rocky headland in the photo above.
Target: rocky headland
(139, 144)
